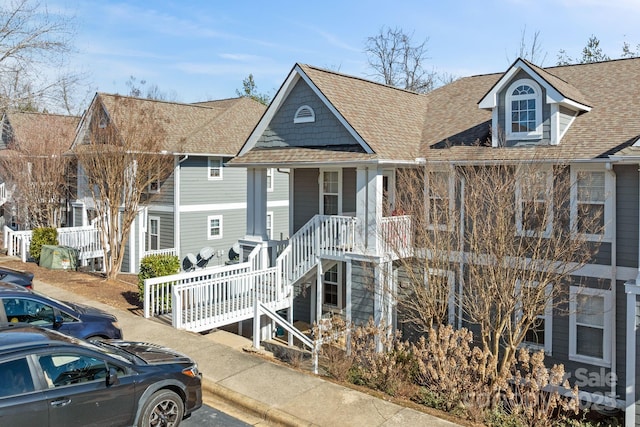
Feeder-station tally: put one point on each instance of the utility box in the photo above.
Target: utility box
(58, 257)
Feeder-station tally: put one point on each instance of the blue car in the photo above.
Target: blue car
(21, 305)
(23, 278)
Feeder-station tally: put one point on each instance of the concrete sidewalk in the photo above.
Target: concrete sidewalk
(262, 392)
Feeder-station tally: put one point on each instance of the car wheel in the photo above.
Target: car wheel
(95, 338)
(164, 408)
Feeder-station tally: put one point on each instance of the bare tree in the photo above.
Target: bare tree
(532, 50)
(123, 166)
(31, 39)
(504, 231)
(398, 62)
(35, 167)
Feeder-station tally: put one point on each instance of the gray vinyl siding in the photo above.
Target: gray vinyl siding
(166, 194)
(620, 331)
(326, 130)
(627, 216)
(280, 185)
(194, 233)
(166, 229)
(197, 189)
(566, 115)
(280, 222)
(349, 190)
(362, 292)
(305, 196)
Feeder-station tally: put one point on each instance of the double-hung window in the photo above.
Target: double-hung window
(214, 227)
(590, 209)
(538, 335)
(330, 192)
(441, 286)
(331, 284)
(439, 199)
(215, 168)
(590, 325)
(534, 210)
(154, 233)
(523, 110)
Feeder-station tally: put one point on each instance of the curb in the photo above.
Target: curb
(270, 415)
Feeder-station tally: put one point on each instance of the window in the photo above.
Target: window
(270, 179)
(590, 325)
(439, 190)
(330, 193)
(590, 209)
(154, 183)
(15, 378)
(270, 225)
(534, 210)
(215, 168)
(154, 233)
(29, 311)
(304, 114)
(332, 293)
(539, 335)
(442, 288)
(63, 369)
(214, 230)
(523, 110)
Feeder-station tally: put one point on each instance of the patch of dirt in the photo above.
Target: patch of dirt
(121, 293)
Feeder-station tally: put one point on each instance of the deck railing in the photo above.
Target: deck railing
(167, 251)
(395, 236)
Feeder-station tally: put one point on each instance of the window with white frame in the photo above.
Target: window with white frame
(590, 325)
(439, 189)
(590, 207)
(270, 179)
(534, 209)
(332, 295)
(214, 227)
(523, 110)
(270, 225)
(215, 168)
(154, 233)
(539, 335)
(330, 192)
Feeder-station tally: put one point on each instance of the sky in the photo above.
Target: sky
(202, 50)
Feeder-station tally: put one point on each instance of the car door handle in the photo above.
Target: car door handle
(60, 402)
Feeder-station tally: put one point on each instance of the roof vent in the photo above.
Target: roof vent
(304, 114)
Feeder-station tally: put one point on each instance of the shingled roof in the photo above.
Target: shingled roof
(448, 125)
(214, 127)
(38, 133)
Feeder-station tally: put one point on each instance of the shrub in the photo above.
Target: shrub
(42, 236)
(156, 266)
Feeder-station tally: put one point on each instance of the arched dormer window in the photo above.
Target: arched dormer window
(304, 114)
(523, 119)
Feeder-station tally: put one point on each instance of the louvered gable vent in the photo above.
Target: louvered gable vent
(304, 114)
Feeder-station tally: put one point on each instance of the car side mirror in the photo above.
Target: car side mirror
(57, 321)
(112, 377)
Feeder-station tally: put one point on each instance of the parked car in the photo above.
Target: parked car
(23, 278)
(51, 379)
(18, 304)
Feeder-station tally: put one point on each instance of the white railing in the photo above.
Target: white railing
(202, 306)
(168, 251)
(3, 194)
(17, 242)
(395, 236)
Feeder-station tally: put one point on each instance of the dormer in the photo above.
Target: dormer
(531, 106)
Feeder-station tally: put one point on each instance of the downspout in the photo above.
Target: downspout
(614, 282)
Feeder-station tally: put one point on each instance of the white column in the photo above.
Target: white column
(368, 208)
(257, 204)
(630, 381)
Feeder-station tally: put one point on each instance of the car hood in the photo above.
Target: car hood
(87, 311)
(152, 354)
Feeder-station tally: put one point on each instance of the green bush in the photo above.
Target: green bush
(42, 236)
(156, 266)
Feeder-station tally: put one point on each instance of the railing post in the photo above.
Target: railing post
(176, 308)
(23, 249)
(256, 324)
(147, 300)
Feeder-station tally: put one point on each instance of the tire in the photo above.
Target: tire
(164, 408)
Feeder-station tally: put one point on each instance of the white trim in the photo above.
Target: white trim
(537, 96)
(209, 219)
(270, 182)
(321, 189)
(338, 284)
(609, 201)
(269, 226)
(210, 168)
(555, 124)
(574, 292)
(632, 291)
(451, 186)
(149, 235)
(548, 200)
(229, 206)
(310, 118)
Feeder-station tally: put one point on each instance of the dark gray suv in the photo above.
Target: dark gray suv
(51, 379)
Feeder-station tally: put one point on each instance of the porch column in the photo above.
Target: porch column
(257, 204)
(368, 207)
(632, 290)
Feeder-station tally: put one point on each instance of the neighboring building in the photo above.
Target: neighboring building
(27, 137)
(202, 204)
(344, 139)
